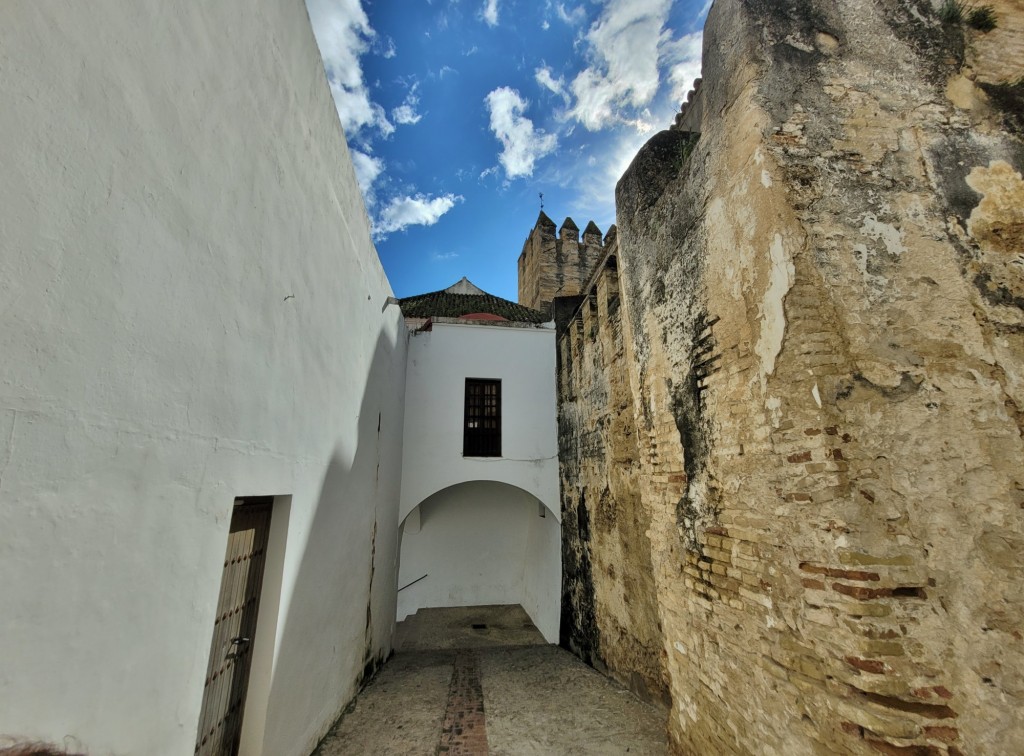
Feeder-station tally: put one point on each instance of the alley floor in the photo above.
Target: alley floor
(482, 680)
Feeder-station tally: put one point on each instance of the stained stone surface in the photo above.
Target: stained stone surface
(453, 627)
(400, 712)
(542, 700)
(609, 604)
(536, 698)
(821, 323)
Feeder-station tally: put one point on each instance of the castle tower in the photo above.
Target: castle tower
(556, 265)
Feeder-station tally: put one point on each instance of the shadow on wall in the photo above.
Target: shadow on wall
(339, 620)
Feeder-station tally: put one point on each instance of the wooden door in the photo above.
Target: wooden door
(234, 629)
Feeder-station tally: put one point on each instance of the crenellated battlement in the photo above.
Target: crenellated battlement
(691, 111)
(557, 262)
(588, 315)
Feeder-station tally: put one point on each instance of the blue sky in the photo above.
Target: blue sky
(460, 112)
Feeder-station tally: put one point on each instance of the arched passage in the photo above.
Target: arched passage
(482, 542)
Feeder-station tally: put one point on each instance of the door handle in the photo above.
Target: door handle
(239, 641)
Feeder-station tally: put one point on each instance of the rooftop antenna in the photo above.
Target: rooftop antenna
(541, 195)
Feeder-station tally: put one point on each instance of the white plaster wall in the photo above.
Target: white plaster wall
(190, 310)
(542, 572)
(483, 543)
(439, 362)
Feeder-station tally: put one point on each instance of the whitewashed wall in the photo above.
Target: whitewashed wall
(440, 360)
(190, 310)
(481, 542)
(542, 572)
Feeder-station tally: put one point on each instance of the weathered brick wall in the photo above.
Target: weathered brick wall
(609, 609)
(823, 305)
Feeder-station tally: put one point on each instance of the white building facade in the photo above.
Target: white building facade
(190, 317)
(198, 370)
(480, 525)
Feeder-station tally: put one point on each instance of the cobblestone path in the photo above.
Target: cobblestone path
(497, 689)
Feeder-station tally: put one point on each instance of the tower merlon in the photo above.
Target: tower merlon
(569, 230)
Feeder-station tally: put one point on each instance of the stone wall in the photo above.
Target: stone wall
(556, 266)
(822, 308)
(609, 610)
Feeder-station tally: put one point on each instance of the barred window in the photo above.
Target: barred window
(482, 429)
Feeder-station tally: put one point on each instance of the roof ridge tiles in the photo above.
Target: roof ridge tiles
(459, 300)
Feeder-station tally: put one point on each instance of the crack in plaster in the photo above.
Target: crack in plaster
(10, 446)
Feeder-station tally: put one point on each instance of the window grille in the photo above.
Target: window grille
(482, 427)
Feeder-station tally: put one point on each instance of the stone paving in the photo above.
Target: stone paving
(465, 726)
(496, 688)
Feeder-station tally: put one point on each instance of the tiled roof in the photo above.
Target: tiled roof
(451, 303)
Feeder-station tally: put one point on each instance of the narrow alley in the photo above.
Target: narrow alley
(482, 680)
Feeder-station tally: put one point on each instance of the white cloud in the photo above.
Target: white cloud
(490, 12)
(624, 44)
(642, 123)
(343, 34)
(386, 49)
(405, 114)
(442, 256)
(683, 57)
(572, 16)
(522, 144)
(597, 189)
(620, 156)
(368, 168)
(549, 82)
(413, 210)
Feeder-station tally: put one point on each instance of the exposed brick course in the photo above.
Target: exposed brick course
(464, 732)
(610, 616)
(819, 327)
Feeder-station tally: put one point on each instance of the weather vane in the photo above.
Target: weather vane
(541, 195)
